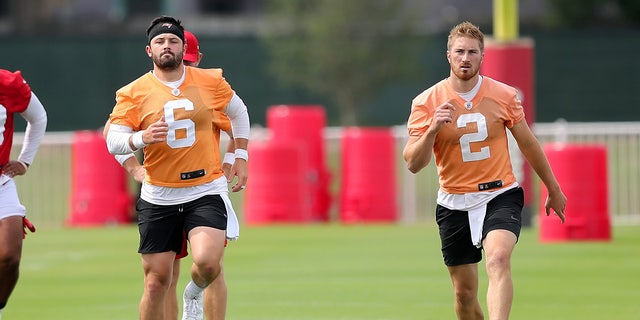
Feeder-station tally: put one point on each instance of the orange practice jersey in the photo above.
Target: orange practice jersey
(473, 148)
(191, 154)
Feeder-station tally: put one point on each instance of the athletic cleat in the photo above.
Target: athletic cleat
(192, 308)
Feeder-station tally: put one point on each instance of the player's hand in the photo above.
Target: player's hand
(239, 169)
(443, 114)
(156, 132)
(14, 168)
(226, 168)
(27, 225)
(557, 202)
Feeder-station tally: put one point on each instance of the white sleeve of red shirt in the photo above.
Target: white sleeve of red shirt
(36, 118)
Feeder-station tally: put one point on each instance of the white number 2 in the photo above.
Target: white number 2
(185, 124)
(468, 138)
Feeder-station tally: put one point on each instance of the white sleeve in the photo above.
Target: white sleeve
(121, 158)
(118, 139)
(36, 118)
(237, 113)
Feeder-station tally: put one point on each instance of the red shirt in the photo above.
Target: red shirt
(15, 95)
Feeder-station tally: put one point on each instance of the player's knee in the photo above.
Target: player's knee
(156, 287)
(465, 295)
(213, 270)
(208, 270)
(498, 263)
(157, 282)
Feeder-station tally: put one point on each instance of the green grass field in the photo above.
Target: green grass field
(328, 271)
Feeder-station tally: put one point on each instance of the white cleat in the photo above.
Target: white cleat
(192, 308)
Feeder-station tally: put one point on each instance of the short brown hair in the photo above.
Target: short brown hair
(466, 29)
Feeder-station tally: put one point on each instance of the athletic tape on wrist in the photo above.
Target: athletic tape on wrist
(242, 154)
(229, 158)
(137, 141)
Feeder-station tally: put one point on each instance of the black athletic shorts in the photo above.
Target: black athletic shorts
(503, 212)
(162, 228)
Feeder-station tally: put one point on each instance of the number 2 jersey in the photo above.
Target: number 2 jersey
(15, 95)
(190, 156)
(473, 148)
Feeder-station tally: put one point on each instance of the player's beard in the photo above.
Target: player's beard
(465, 75)
(167, 61)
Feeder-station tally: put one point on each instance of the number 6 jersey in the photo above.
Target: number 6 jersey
(190, 156)
(473, 148)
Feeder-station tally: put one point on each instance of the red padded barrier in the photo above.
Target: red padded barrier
(368, 188)
(304, 125)
(99, 190)
(581, 171)
(278, 189)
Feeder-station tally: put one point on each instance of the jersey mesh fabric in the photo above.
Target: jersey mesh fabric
(473, 149)
(193, 116)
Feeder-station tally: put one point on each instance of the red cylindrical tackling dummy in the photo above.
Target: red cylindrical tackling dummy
(99, 188)
(368, 188)
(304, 124)
(513, 64)
(278, 189)
(581, 171)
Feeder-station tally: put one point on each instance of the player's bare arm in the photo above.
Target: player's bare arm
(418, 150)
(228, 164)
(239, 168)
(134, 168)
(532, 151)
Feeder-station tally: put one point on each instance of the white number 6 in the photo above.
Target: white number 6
(184, 124)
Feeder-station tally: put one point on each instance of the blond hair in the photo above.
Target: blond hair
(466, 29)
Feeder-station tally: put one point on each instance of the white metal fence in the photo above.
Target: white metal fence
(417, 193)
(46, 189)
(622, 140)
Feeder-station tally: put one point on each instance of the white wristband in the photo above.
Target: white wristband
(137, 141)
(242, 154)
(229, 158)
